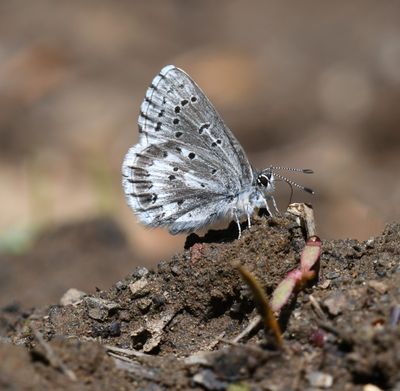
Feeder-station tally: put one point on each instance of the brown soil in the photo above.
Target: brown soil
(340, 334)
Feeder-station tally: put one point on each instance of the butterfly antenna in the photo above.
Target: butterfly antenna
(292, 183)
(291, 190)
(302, 170)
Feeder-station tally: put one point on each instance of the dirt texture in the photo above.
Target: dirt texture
(173, 328)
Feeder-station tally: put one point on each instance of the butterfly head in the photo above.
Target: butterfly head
(265, 181)
(267, 177)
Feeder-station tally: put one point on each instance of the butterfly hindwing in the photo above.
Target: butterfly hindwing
(162, 187)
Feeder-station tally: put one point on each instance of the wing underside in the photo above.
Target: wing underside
(187, 165)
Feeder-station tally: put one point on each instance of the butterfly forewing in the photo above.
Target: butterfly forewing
(187, 161)
(175, 107)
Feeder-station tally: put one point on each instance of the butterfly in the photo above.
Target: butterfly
(188, 170)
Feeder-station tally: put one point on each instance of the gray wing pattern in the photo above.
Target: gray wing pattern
(187, 162)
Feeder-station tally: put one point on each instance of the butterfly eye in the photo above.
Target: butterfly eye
(264, 179)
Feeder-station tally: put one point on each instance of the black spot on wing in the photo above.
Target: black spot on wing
(145, 116)
(203, 127)
(139, 171)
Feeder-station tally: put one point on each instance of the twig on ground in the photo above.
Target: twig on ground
(214, 343)
(125, 352)
(119, 357)
(305, 215)
(51, 356)
(317, 308)
(253, 324)
(134, 368)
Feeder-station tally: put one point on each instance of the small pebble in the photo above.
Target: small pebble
(380, 287)
(332, 275)
(120, 285)
(370, 243)
(99, 309)
(158, 301)
(140, 272)
(144, 305)
(115, 329)
(124, 316)
(357, 247)
(106, 330)
(371, 387)
(72, 296)
(335, 303)
(139, 288)
(381, 273)
(99, 330)
(325, 284)
(175, 270)
(320, 379)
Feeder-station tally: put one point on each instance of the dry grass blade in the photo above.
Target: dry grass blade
(263, 306)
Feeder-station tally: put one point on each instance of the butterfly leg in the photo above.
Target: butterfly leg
(275, 205)
(249, 211)
(237, 222)
(267, 206)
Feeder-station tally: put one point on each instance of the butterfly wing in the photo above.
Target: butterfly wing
(187, 164)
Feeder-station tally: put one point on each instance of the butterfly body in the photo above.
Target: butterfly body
(188, 170)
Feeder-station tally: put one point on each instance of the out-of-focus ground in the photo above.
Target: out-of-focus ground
(172, 328)
(310, 84)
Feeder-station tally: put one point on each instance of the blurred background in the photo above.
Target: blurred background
(303, 84)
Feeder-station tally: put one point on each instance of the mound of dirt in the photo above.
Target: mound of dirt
(173, 328)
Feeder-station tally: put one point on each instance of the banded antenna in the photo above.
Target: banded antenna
(289, 181)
